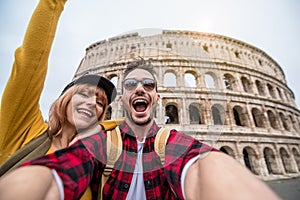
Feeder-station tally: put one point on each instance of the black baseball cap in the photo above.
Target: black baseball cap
(96, 80)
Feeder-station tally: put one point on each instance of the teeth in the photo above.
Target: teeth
(86, 112)
(139, 101)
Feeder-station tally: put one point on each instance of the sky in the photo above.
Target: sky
(270, 25)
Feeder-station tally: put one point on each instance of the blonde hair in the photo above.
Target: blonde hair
(58, 110)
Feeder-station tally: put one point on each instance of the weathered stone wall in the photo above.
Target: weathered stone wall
(218, 89)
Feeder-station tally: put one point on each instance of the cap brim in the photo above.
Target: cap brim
(99, 81)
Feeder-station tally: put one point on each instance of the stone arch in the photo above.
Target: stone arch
(250, 159)
(284, 121)
(270, 160)
(228, 150)
(258, 118)
(294, 123)
(272, 119)
(229, 81)
(271, 90)
(279, 94)
(287, 96)
(240, 116)
(195, 114)
(246, 85)
(190, 79)
(171, 114)
(296, 157)
(211, 80)
(285, 158)
(114, 79)
(260, 88)
(218, 114)
(170, 79)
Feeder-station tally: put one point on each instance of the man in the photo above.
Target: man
(192, 170)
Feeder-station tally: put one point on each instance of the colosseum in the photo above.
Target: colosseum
(220, 90)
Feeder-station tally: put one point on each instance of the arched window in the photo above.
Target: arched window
(271, 91)
(169, 79)
(296, 157)
(189, 80)
(228, 81)
(260, 88)
(227, 150)
(210, 81)
(171, 114)
(246, 85)
(280, 94)
(250, 159)
(284, 122)
(194, 113)
(114, 80)
(258, 118)
(270, 160)
(294, 123)
(218, 114)
(272, 120)
(285, 160)
(240, 117)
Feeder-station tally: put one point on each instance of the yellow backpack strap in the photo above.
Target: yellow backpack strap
(111, 123)
(37, 147)
(160, 147)
(114, 149)
(160, 143)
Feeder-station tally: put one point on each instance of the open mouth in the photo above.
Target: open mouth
(140, 105)
(85, 112)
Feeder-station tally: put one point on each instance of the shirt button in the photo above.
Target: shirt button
(148, 185)
(126, 186)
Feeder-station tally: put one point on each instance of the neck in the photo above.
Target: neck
(140, 131)
(62, 140)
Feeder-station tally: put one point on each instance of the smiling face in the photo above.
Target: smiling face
(139, 102)
(86, 107)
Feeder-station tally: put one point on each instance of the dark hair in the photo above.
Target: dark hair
(139, 63)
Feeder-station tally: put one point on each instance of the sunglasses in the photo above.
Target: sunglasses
(131, 83)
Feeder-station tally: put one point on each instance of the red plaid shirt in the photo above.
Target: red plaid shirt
(82, 164)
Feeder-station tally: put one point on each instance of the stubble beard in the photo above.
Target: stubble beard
(143, 123)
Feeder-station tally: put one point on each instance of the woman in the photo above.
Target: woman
(77, 110)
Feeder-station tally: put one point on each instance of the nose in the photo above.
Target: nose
(91, 100)
(139, 87)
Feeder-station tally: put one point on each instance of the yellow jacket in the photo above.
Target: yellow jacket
(21, 119)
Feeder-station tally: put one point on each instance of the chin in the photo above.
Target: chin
(141, 122)
(83, 125)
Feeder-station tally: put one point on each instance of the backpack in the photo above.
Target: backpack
(115, 147)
